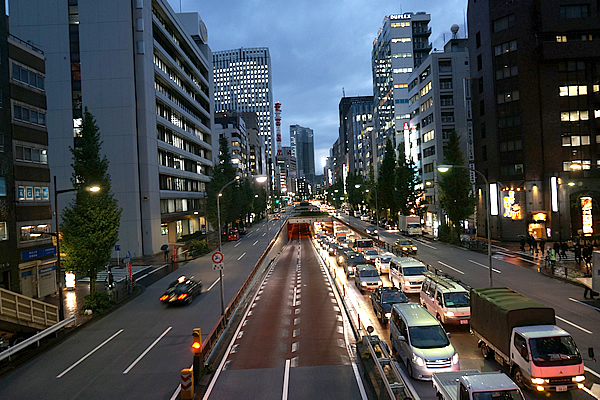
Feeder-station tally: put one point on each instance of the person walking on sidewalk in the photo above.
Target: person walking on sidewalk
(577, 251)
(530, 242)
(522, 240)
(556, 248)
(563, 250)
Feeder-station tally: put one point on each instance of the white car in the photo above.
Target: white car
(371, 255)
(364, 217)
(382, 263)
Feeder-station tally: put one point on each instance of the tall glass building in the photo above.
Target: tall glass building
(242, 81)
(401, 45)
(303, 148)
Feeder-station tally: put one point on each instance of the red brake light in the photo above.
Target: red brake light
(181, 296)
(164, 297)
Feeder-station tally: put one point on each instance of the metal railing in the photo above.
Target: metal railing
(23, 310)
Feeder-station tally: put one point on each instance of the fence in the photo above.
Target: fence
(23, 310)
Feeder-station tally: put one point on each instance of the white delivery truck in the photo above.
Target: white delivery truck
(410, 225)
(521, 333)
(474, 385)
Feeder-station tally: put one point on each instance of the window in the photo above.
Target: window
(2, 187)
(0, 98)
(3, 231)
(575, 11)
(1, 142)
(507, 97)
(484, 153)
(478, 39)
(430, 151)
(479, 63)
(428, 167)
(505, 48)
(446, 83)
(446, 101)
(568, 141)
(27, 76)
(402, 55)
(561, 39)
(39, 156)
(401, 40)
(447, 117)
(481, 108)
(573, 116)
(427, 120)
(427, 136)
(425, 89)
(503, 23)
(445, 66)
(483, 130)
(512, 145)
(24, 114)
(480, 84)
(426, 104)
(575, 90)
(506, 71)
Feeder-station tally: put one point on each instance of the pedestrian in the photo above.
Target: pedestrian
(522, 243)
(556, 248)
(563, 250)
(166, 254)
(542, 244)
(530, 243)
(535, 246)
(577, 251)
(552, 258)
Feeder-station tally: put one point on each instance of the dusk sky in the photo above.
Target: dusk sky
(317, 48)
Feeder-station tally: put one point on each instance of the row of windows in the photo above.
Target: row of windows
(574, 115)
(426, 104)
(175, 99)
(514, 169)
(167, 182)
(504, 23)
(402, 70)
(25, 114)
(445, 83)
(403, 24)
(508, 121)
(425, 89)
(31, 154)
(168, 136)
(427, 120)
(507, 71)
(586, 37)
(402, 55)
(27, 76)
(429, 151)
(583, 164)
(178, 120)
(511, 145)
(576, 90)
(428, 168)
(401, 40)
(26, 232)
(505, 47)
(33, 193)
(575, 11)
(447, 117)
(427, 136)
(168, 206)
(446, 101)
(171, 160)
(584, 140)
(401, 101)
(507, 97)
(3, 231)
(400, 85)
(413, 98)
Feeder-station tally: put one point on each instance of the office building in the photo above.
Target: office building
(439, 102)
(145, 73)
(535, 67)
(231, 126)
(302, 144)
(243, 83)
(256, 144)
(356, 133)
(27, 259)
(401, 45)
(287, 173)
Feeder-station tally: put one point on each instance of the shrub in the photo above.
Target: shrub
(99, 303)
(199, 246)
(447, 234)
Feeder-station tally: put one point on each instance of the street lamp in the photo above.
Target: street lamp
(376, 206)
(93, 189)
(445, 168)
(264, 179)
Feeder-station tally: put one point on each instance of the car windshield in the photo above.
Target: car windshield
(361, 244)
(498, 395)
(393, 297)
(369, 273)
(404, 242)
(358, 259)
(457, 299)
(414, 271)
(554, 351)
(178, 288)
(428, 337)
(371, 252)
(384, 260)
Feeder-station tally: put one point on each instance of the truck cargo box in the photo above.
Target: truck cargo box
(495, 311)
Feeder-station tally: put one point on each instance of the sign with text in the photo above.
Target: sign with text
(37, 253)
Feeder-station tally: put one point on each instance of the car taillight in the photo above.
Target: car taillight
(164, 297)
(181, 296)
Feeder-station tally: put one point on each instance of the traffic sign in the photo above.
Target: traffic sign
(126, 260)
(217, 267)
(217, 257)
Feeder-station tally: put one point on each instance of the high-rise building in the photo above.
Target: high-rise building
(27, 260)
(401, 45)
(535, 67)
(303, 148)
(231, 126)
(243, 83)
(356, 134)
(256, 144)
(145, 73)
(286, 171)
(439, 93)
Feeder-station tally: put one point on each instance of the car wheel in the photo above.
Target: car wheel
(519, 378)
(486, 352)
(409, 368)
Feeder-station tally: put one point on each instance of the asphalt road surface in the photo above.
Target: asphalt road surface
(291, 343)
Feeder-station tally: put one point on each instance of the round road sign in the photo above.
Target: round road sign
(217, 257)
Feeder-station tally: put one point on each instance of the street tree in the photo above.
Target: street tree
(223, 172)
(91, 222)
(386, 183)
(455, 194)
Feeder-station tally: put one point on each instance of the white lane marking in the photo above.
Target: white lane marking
(591, 371)
(452, 268)
(88, 354)
(517, 257)
(176, 394)
(582, 303)
(286, 380)
(294, 300)
(575, 325)
(147, 350)
(485, 266)
(237, 244)
(264, 234)
(240, 257)
(213, 285)
(254, 244)
(151, 272)
(588, 391)
(427, 245)
(358, 378)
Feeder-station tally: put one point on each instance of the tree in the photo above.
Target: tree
(410, 191)
(91, 222)
(456, 196)
(355, 195)
(386, 182)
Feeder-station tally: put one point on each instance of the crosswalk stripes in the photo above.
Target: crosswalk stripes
(119, 274)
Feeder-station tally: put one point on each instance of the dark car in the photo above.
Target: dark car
(332, 248)
(349, 261)
(182, 291)
(340, 254)
(242, 230)
(383, 299)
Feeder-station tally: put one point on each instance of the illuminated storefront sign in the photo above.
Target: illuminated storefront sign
(586, 215)
(512, 209)
(539, 217)
(400, 16)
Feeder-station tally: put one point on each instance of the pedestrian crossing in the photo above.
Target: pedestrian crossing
(119, 274)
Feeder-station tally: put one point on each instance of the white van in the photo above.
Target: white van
(382, 263)
(421, 342)
(446, 299)
(406, 273)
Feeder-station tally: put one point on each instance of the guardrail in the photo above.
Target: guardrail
(36, 338)
(23, 310)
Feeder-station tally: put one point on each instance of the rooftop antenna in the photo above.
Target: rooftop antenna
(180, 6)
(343, 92)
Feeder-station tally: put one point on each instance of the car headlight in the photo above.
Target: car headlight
(579, 378)
(404, 248)
(363, 283)
(538, 381)
(449, 314)
(418, 360)
(414, 248)
(388, 315)
(455, 358)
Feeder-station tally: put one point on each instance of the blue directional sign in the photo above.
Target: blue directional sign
(37, 253)
(117, 247)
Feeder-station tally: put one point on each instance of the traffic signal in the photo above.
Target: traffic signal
(197, 345)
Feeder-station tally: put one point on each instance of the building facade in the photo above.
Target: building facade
(357, 134)
(439, 102)
(242, 79)
(145, 73)
(231, 125)
(303, 148)
(401, 45)
(27, 259)
(256, 144)
(536, 112)
(287, 173)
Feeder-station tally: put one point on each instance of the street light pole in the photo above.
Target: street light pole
(445, 168)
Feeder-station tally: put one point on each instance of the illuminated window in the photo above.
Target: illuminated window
(427, 136)
(402, 55)
(400, 24)
(401, 86)
(505, 48)
(3, 231)
(425, 89)
(401, 40)
(561, 39)
(573, 116)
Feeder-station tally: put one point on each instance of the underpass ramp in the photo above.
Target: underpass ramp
(17, 309)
